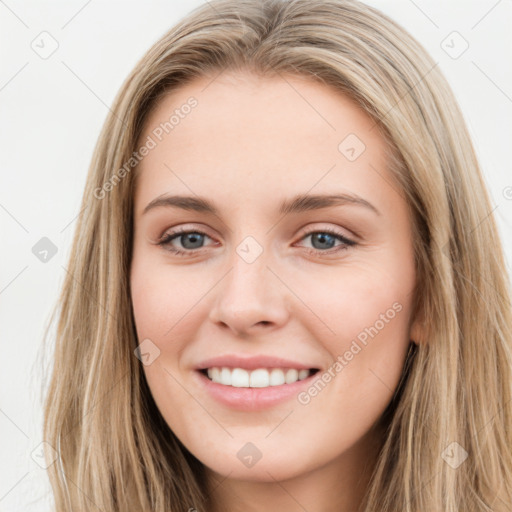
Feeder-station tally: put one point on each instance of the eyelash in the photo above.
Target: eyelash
(166, 240)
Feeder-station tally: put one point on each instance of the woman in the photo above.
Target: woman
(259, 369)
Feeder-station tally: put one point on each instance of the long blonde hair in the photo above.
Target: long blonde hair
(115, 450)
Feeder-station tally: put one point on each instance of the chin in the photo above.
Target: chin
(277, 465)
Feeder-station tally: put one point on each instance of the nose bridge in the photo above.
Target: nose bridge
(249, 267)
(250, 295)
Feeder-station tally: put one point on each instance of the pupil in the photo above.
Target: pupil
(191, 236)
(321, 237)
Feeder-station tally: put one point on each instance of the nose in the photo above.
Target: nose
(250, 298)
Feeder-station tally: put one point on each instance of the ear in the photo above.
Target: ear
(417, 329)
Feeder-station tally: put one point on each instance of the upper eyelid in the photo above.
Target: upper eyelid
(188, 229)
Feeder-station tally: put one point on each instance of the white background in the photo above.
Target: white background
(51, 112)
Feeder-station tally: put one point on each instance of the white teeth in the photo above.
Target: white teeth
(260, 378)
(292, 375)
(303, 374)
(239, 378)
(225, 376)
(277, 377)
(214, 374)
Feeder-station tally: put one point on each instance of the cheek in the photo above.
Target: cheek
(365, 316)
(343, 304)
(162, 302)
(162, 298)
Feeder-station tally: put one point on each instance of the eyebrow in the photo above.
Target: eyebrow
(297, 204)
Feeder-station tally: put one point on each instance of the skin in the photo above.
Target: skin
(250, 143)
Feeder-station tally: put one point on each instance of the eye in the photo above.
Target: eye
(192, 241)
(321, 238)
(189, 238)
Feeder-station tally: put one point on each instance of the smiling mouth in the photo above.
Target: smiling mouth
(258, 378)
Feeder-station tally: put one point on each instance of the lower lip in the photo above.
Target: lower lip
(252, 399)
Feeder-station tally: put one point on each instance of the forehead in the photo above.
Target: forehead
(250, 136)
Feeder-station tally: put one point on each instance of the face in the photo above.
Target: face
(318, 290)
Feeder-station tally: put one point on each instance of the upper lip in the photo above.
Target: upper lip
(251, 363)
